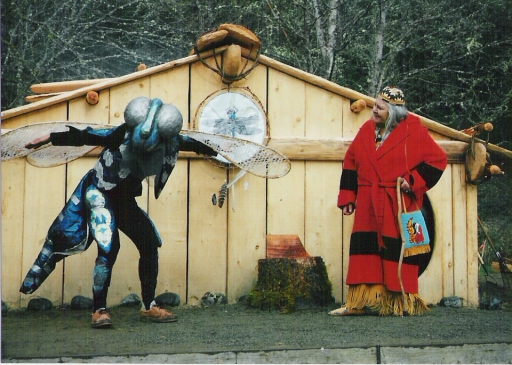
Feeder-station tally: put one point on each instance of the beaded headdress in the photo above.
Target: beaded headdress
(393, 95)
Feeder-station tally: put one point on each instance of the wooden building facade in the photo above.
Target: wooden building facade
(207, 249)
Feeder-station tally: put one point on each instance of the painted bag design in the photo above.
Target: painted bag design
(414, 233)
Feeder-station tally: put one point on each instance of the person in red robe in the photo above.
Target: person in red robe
(392, 144)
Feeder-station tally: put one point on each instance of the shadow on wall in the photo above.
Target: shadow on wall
(428, 213)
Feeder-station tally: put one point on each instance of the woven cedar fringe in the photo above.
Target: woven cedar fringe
(377, 298)
(416, 250)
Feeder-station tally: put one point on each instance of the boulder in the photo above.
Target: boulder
(210, 299)
(39, 304)
(168, 299)
(131, 300)
(79, 302)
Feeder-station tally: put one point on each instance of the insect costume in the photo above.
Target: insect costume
(147, 144)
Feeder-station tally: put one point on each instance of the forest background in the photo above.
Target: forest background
(453, 58)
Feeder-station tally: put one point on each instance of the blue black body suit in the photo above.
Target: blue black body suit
(104, 202)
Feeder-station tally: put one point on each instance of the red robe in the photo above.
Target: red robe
(369, 181)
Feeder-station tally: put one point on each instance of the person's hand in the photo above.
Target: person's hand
(405, 187)
(38, 142)
(348, 209)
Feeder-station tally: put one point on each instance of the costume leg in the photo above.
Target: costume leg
(66, 236)
(102, 225)
(136, 224)
(42, 267)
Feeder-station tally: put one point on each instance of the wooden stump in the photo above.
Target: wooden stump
(285, 246)
(291, 283)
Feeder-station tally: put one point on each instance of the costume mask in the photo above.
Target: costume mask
(151, 121)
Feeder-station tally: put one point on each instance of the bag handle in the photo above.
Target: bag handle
(400, 197)
(405, 309)
(400, 180)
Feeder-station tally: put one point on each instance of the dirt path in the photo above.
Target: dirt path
(64, 332)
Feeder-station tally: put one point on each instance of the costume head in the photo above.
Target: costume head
(151, 122)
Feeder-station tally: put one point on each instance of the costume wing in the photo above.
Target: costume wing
(252, 157)
(14, 141)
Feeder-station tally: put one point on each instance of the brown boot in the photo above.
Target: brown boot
(158, 314)
(101, 319)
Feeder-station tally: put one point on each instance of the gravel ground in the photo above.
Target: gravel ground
(235, 327)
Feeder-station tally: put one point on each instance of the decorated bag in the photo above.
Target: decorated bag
(413, 228)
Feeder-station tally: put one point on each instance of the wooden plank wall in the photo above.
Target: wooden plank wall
(31, 199)
(210, 249)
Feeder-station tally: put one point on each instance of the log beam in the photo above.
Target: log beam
(309, 149)
(64, 86)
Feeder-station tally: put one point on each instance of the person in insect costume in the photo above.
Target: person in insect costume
(104, 202)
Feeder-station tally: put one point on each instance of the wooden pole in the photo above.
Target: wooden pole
(307, 149)
(64, 86)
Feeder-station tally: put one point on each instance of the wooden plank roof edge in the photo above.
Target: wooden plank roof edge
(264, 60)
(104, 84)
(370, 101)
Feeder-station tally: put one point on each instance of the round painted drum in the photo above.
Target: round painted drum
(233, 112)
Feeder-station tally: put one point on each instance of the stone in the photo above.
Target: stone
(210, 299)
(169, 299)
(452, 302)
(39, 304)
(491, 303)
(79, 302)
(131, 300)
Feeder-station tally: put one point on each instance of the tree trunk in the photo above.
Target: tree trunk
(327, 41)
(377, 77)
(291, 283)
